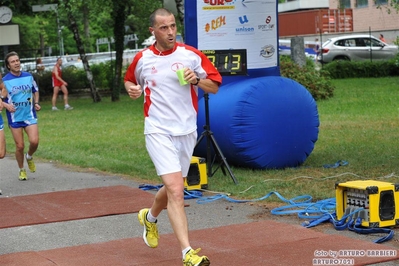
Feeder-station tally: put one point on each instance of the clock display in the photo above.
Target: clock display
(228, 62)
(5, 14)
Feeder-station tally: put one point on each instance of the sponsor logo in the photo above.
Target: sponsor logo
(24, 89)
(243, 19)
(267, 51)
(219, 4)
(244, 29)
(268, 26)
(215, 24)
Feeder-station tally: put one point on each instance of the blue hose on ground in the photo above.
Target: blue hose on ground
(319, 212)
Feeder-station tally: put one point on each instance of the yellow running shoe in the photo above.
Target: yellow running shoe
(150, 234)
(31, 164)
(192, 259)
(22, 175)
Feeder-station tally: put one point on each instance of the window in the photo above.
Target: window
(381, 2)
(362, 3)
(376, 43)
(346, 42)
(360, 42)
(344, 3)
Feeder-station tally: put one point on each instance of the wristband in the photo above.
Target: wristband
(198, 80)
(37, 103)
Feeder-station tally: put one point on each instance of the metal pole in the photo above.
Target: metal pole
(371, 46)
(51, 7)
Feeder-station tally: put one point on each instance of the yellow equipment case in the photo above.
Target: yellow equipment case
(197, 177)
(378, 199)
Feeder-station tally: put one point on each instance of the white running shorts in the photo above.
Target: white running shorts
(171, 154)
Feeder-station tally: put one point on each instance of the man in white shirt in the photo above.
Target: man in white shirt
(170, 124)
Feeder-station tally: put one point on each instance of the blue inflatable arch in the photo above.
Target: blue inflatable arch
(267, 122)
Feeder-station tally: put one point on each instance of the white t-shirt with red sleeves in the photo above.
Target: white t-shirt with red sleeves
(170, 108)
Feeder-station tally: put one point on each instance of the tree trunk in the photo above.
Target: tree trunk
(180, 11)
(119, 18)
(79, 44)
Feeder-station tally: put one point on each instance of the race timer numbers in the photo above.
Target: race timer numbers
(228, 62)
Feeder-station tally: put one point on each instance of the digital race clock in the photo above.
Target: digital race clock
(228, 62)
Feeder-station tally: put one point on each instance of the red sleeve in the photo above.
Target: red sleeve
(130, 76)
(210, 69)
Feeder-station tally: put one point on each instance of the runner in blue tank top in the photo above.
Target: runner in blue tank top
(21, 103)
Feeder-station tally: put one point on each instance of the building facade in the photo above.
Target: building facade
(310, 18)
(377, 15)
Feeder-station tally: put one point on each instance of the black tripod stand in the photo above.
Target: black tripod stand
(210, 140)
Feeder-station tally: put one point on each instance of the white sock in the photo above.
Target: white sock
(151, 218)
(28, 157)
(184, 251)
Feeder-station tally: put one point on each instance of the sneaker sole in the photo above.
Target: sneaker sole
(141, 220)
(205, 262)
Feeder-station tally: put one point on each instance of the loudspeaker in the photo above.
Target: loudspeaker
(197, 177)
(378, 200)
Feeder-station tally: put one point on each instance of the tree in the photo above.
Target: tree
(120, 11)
(180, 11)
(74, 28)
(119, 17)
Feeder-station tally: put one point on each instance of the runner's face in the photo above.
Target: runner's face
(14, 64)
(165, 32)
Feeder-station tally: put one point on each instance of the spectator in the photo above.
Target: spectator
(39, 66)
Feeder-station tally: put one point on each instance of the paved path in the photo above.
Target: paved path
(212, 216)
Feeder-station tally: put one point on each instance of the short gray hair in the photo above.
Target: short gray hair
(159, 12)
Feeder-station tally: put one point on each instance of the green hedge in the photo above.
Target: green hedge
(103, 74)
(317, 82)
(362, 69)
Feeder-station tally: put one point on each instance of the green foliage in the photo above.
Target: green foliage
(99, 21)
(102, 74)
(316, 82)
(44, 82)
(362, 69)
(77, 80)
